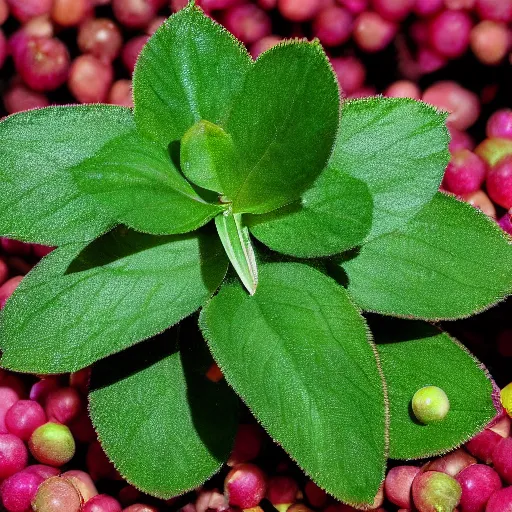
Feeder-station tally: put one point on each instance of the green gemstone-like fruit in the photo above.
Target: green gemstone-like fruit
(430, 404)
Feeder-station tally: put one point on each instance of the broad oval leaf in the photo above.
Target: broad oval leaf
(40, 201)
(165, 426)
(191, 69)
(414, 354)
(204, 150)
(334, 215)
(448, 262)
(136, 182)
(79, 306)
(399, 148)
(299, 354)
(292, 100)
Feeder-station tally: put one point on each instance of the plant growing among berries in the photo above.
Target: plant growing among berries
(324, 210)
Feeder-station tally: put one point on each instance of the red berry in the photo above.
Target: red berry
(478, 483)
(397, 486)
(13, 455)
(19, 490)
(333, 26)
(245, 486)
(63, 405)
(499, 182)
(247, 22)
(247, 444)
(500, 124)
(502, 459)
(102, 503)
(24, 417)
(483, 444)
(500, 501)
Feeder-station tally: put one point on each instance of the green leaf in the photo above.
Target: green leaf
(40, 201)
(136, 182)
(237, 244)
(165, 426)
(190, 70)
(291, 98)
(399, 148)
(206, 152)
(299, 354)
(448, 262)
(413, 355)
(79, 305)
(334, 215)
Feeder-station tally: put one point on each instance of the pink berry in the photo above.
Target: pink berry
(460, 140)
(459, 4)
(497, 10)
(500, 124)
(13, 455)
(354, 6)
(463, 105)
(210, 500)
(42, 388)
(449, 33)
(397, 486)
(316, 496)
(70, 13)
(483, 444)
(427, 7)
(19, 490)
(82, 482)
(90, 79)
(23, 10)
(4, 11)
(372, 33)
(131, 51)
(101, 38)
(134, 13)
(502, 459)
(24, 417)
(480, 200)
(97, 463)
(478, 483)
(15, 247)
(403, 89)
(247, 22)
(264, 44)
(429, 60)
(500, 501)
(8, 397)
(52, 444)
(155, 25)
(490, 41)
(298, 10)
(504, 344)
(333, 26)
(499, 182)
(245, 486)
(19, 98)
(43, 63)
(350, 72)
(393, 10)
(42, 471)
(57, 495)
(102, 503)
(282, 490)
(465, 172)
(63, 405)
(7, 289)
(433, 491)
(247, 446)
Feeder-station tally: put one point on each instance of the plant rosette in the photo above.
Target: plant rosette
(249, 191)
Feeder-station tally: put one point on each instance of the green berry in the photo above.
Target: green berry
(52, 444)
(430, 404)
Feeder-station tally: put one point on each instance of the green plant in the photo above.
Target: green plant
(321, 216)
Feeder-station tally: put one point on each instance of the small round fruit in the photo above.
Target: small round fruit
(434, 492)
(52, 444)
(430, 404)
(506, 398)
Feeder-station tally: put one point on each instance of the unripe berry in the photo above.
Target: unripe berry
(506, 398)
(57, 495)
(434, 492)
(430, 404)
(52, 444)
(494, 149)
(245, 486)
(82, 482)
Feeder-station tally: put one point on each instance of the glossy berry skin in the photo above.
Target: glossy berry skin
(101, 38)
(502, 459)
(63, 405)
(13, 455)
(52, 444)
(500, 124)
(478, 483)
(57, 495)
(18, 490)
(465, 173)
(430, 404)
(397, 486)
(102, 503)
(245, 486)
(499, 182)
(24, 417)
(452, 463)
(483, 444)
(500, 501)
(433, 492)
